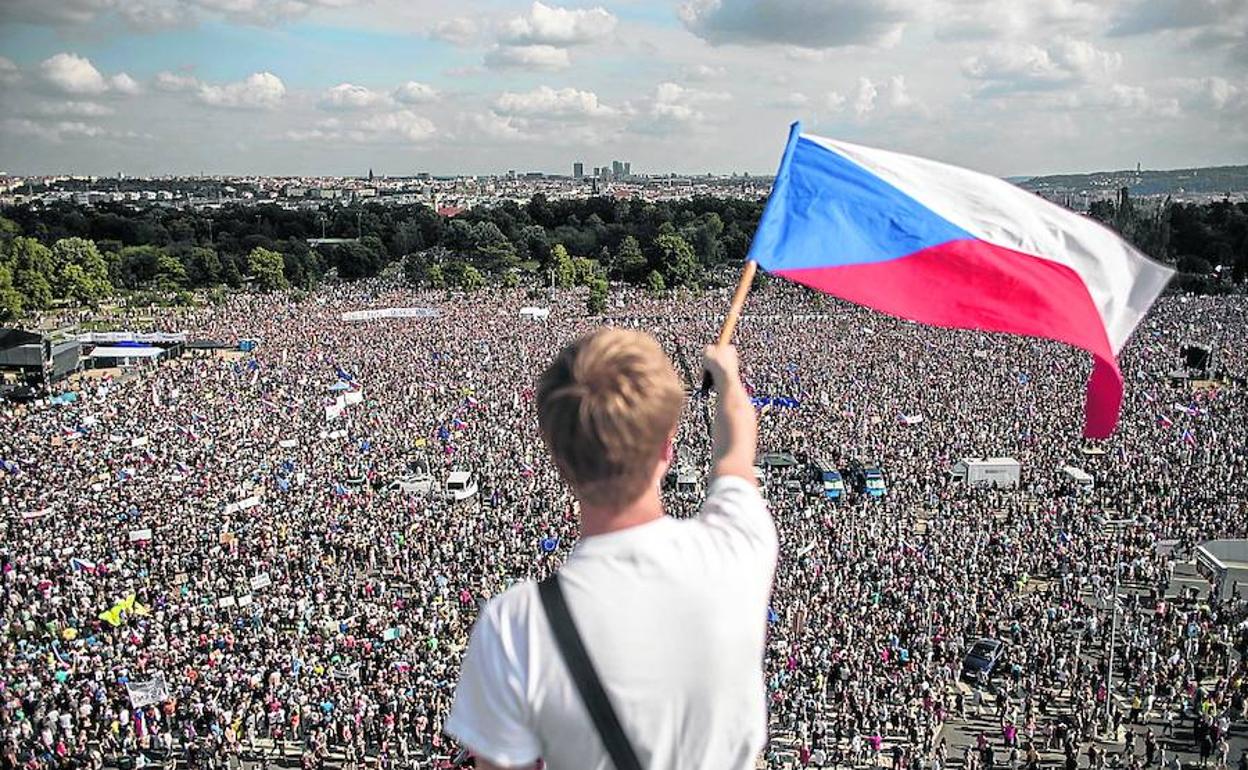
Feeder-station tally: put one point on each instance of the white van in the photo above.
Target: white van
(1080, 477)
(460, 485)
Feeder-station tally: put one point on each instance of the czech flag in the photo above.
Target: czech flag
(949, 247)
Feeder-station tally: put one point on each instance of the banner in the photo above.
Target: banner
(391, 312)
(261, 581)
(141, 441)
(146, 693)
(353, 397)
(288, 443)
(242, 505)
(139, 535)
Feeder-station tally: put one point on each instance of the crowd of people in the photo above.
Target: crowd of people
(230, 554)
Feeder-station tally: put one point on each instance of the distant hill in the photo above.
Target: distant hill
(1185, 181)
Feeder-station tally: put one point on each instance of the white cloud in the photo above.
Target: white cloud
(835, 101)
(531, 57)
(173, 82)
(674, 108)
(9, 73)
(150, 15)
(550, 104)
(260, 90)
(73, 74)
(458, 31)
(864, 102)
(791, 101)
(60, 130)
(412, 92)
(398, 127)
(1012, 67)
(804, 23)
(74, 109)
(554, 26)
(703, 72)
(268, 12)
(123, 84)
(347, 96)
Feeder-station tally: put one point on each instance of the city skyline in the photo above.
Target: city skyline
(334, 87)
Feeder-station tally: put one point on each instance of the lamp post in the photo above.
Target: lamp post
(1116, 526)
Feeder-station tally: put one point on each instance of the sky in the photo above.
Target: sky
(307, 87)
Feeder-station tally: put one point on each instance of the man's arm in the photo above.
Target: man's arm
(482, 764)
(734, 436)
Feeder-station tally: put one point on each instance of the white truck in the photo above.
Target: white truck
(987, 472)
(1079, 477)
(460, 485)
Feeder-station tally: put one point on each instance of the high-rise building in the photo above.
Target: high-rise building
(628, 169)
(597, 171)
(617, 169)
(578, 170)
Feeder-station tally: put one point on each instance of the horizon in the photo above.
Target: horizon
(557, 175)
(674, 86)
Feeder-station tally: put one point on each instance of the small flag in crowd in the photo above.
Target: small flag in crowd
(950, 247)
(1189, 437)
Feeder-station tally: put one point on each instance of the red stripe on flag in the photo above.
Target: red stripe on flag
(970, 284)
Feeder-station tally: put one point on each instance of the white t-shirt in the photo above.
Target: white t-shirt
(674, 616)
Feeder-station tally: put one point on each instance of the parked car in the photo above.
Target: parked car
(982, 659)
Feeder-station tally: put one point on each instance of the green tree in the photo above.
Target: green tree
(10, 298)
(561, 263)
(584, 270)
(436, 277)
(510, 279)
(471, 279)
(267, 267)
(679, 264)
(414, 269)
(170, 274)
(81, 273)
(655, 282)
(629, 259)
(597, 301)
(31, 264)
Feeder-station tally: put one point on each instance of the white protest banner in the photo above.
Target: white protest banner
(225, 601)
(242, 505)
(261, 581)
(39, 514)
(244, 600)
(353, 397)
(146, 693)
(141, 441)
(288, 443)
(391, 312)
(139, 535)
(333, 411)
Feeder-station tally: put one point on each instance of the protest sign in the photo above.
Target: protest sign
(145, 693)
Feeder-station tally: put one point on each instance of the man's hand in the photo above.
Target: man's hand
(720, 361)
(734, 437)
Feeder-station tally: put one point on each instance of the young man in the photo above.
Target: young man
(672, 612)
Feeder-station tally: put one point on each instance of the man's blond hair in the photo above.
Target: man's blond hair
(607, 406)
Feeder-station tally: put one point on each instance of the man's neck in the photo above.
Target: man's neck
(601, 520)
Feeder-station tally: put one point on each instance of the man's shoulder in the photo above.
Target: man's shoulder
(514, 605)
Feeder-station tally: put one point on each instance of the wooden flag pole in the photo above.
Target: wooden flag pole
(734, 314)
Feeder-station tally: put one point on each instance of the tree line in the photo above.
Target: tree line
(66, 254)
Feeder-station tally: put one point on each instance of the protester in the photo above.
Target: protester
(329, 619)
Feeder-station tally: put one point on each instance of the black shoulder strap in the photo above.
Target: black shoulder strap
(587, 682)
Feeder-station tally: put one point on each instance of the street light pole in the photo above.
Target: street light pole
(1113, 637)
